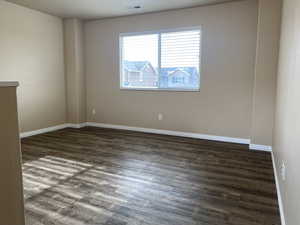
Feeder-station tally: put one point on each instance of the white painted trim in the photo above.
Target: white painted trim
(9, 84)
(280, 203)
(265, 148)
(44, 130)
(50, 129)
(180, 29)
(138, 129)
(76, 125)
(172, 133)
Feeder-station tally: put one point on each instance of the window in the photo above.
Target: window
(164, 60)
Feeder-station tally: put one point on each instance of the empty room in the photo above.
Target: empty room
(148, 112)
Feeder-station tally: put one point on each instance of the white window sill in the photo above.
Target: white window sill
(160, 89)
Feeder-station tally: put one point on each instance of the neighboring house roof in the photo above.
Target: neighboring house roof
(179, 72)
(172, 70)
(138, 66)
(135, 65)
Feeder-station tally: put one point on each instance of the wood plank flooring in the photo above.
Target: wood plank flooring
(96, 176)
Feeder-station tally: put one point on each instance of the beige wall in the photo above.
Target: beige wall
(74, 71)
(268, 34)
(11, 189)
(31, 52)
(287, 122)
(237, 90)
(224, 104)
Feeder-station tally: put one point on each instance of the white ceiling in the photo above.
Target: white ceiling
(90, 9)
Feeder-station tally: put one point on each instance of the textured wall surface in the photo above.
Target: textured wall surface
(31, 52)
(224, 104)
(287, 122)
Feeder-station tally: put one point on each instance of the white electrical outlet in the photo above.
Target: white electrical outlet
(283, 171)
(160, 116)
(94, 111)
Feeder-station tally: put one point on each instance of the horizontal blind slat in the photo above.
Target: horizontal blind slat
(180, 49)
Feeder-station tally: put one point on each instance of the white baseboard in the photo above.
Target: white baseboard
(265, 148)
(41, 131)
(139, 129)
(172, 133)
(150, 130)
(76, 125)
(50, 129)
(280, 203)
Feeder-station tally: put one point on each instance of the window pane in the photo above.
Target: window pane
(180, 59)
(140, 61)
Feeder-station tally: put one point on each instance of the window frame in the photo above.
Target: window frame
(159, 32)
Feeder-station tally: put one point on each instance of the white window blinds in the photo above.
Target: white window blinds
(180, 49)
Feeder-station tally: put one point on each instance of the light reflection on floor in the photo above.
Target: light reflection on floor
(63, 191)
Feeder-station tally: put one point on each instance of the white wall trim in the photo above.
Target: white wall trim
(138, 129)
(44, 130)
(150, 130)
(76, 125)
(50, 129)
(280, 203)
(172, 133)
(265, 148)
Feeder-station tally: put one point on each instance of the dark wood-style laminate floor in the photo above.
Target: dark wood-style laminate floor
(102, 176)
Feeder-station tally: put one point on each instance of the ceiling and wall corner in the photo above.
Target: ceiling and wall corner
(97, 9)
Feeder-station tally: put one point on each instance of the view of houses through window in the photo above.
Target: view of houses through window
(162, 60)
